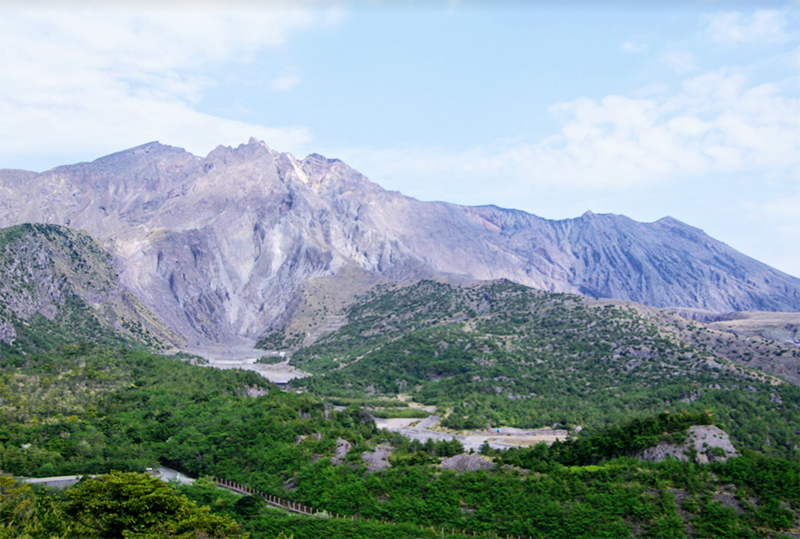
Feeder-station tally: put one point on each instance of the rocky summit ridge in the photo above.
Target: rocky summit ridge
(220, 247)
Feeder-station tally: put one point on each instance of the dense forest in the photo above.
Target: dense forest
(96, 409)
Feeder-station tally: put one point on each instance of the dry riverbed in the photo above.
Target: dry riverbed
(423, 430)
(244, 357)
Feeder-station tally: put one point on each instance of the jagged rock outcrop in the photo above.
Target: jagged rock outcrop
(220, 246)
(342, 448)
(704, 443)
(377, 460)
(467, 462)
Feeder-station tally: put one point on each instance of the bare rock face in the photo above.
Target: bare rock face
(377, 460)
(219, 247)
(7, 332)
(467, 462)
(342, 448)
(704, 443)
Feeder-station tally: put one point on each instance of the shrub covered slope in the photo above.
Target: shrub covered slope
(503, 354)
(98, 409)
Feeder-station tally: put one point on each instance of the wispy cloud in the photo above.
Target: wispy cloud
(632, 46)
(679, 61)
(716, 123)
(761, 26)
(284, 83)
(69, 74)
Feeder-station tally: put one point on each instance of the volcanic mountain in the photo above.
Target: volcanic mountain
(220, 247)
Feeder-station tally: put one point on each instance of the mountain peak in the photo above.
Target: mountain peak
(222, 246)
(320, 159)
(256, 142)
(148, 148)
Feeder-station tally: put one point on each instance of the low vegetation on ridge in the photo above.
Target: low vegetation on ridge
(58, 286)
(503, 354)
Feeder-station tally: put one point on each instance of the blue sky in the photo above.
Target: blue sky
(647, 109)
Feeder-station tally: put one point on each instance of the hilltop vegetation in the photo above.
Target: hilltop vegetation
(114, 505)
(503, 354)
(90, 409)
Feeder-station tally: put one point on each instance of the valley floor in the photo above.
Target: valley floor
(414, 429)
(244, 357)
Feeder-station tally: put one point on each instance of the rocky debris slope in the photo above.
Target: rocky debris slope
(219, 247)
(378, 459)
(704, 443)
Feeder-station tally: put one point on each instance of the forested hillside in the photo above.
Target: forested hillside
(92, 409)
(80, 394)
(499, 353)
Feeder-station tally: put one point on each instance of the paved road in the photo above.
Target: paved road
(61, 481)
(168, 474)
(64, 481)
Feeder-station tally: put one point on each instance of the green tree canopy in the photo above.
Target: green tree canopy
(139, 506)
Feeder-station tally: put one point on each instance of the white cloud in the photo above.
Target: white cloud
(679, 61)
(70, 74)
(286, 82)
(762, 26)
(124, 121)
(715, 124)
(631, 46)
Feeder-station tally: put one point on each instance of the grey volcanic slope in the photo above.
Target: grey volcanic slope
(219, 247)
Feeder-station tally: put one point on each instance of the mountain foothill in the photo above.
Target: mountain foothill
(620, 334)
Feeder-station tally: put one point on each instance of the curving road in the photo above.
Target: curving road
(64, 481)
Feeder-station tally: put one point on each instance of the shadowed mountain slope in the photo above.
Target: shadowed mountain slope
(220, 246)
(60, 286)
